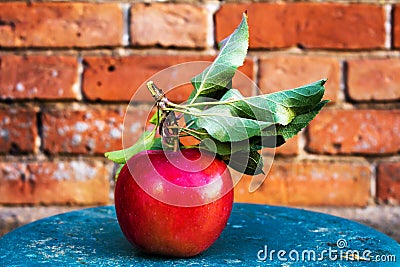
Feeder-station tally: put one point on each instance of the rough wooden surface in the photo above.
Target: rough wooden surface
(383, 218)
(92, 236)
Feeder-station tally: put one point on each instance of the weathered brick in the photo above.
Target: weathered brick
(310, 25)
(374, 79)
(355, 131)
(60, 24)
(310, 183)
(121, 78)
(388, 182)
(39, 77)
(54, 182)
(18, 130)
(179, 25)
(91, 130)
(278, 73)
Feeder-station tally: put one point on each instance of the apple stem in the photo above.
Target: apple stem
(169, 133)
(155, 92)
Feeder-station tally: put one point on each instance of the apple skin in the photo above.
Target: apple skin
(161, 228)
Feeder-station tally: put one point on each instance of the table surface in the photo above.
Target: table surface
(253, 237)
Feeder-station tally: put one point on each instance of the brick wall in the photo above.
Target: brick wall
(68, 70)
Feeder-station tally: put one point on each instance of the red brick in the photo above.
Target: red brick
(60, 24)
(288, 72)
(91, 130)
(388, 183)
(41, 77)
(18, 130)
(355, 131)
(311, 25)
(54, 182)
(396, 26)
(290, 148)
(310, 183)
(123, 78)
(179, 25)
(374, 79)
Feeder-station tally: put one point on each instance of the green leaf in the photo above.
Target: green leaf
(277, 135)
(299, 122)
(216, 79)
(296, 101)
(296, 125)
(145, 142)
(250, 163)
(277, 108)
(235, 118)
(224, 126)
(272, 136)
(224, 148)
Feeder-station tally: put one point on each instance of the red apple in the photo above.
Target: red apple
(173, 203)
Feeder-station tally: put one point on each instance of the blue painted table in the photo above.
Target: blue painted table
(256, 235)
